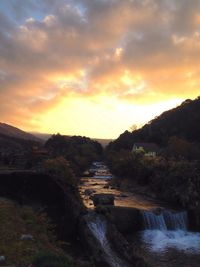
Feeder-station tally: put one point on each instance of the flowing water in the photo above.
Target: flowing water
(99, 228)
(166, 240)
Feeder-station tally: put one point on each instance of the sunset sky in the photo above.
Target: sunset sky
(95, 67)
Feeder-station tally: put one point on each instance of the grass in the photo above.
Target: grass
(16, 221)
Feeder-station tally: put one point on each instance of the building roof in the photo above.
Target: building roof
(148, 146)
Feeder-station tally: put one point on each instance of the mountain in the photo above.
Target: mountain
(42, 136)
(182, 122)
(8, 130)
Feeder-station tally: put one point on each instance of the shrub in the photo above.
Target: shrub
(49, 259)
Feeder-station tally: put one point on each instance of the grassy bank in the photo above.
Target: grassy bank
(20, 250)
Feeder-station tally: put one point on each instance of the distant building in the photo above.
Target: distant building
(149, 149)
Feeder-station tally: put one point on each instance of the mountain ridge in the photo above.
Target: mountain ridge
(182, 121)
(12, 131)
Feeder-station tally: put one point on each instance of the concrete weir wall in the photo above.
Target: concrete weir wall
(129, 220)
(126, 220)
(43, 192)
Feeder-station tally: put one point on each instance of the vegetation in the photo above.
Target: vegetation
(176, 180)
(49, 259)
(16, 221)
(78, 151)
(174, 174)
(60, 168)
(182, 122)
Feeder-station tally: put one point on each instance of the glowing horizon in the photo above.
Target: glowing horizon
(95, 68)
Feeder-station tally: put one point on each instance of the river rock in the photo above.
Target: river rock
(89, 192)
(123, 195)
(157, 211)
(27, 237)
(103, 199)
(2, 258)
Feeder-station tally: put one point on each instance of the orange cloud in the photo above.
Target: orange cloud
(133, 52)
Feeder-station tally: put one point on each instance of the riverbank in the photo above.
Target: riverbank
(41, 193)
(25, 235)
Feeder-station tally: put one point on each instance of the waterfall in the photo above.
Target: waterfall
(167, 220)
(169, 230)
(176, 221)
(98, 227)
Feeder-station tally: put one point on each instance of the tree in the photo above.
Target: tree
(60, 168)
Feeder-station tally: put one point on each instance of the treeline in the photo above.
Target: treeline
(176, 181)
(79, 151)
(14, 144)
(174, 174)
(11, 146)
(182, 122)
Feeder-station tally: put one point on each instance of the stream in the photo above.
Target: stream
(164, 241)
(98, 184)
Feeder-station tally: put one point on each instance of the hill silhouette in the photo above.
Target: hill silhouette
(9, 130)
(182, 122)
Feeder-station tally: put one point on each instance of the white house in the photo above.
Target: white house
(149, 149)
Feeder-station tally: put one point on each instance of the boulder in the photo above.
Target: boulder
(123, 195)
(103, 199)
(27, 237)
(2, 258)
(89, 192)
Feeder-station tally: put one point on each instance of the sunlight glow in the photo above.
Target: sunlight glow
(103, 117)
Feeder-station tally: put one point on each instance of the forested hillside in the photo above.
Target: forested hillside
(12, 131)
(182, 122)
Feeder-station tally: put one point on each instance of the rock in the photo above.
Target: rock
(106, 186)
(2, 258)
(86, 173)
(194, 220)
(123, 195)
(27, 237)
(89, 192)
(103, 199)
(83, 263)
(157, 211)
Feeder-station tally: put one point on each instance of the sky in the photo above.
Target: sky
(96, 67)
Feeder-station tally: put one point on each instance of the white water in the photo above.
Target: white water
(98, 227)
(169, 230)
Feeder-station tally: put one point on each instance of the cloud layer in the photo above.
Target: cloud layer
(137, 51)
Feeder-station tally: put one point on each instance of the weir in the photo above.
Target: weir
(98, 227)
(169, 230)
(167, 220)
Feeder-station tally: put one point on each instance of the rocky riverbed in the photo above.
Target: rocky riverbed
(90, 186)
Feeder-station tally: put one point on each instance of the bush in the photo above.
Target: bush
(49, 259)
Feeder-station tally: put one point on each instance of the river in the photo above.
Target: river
(165, 240)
